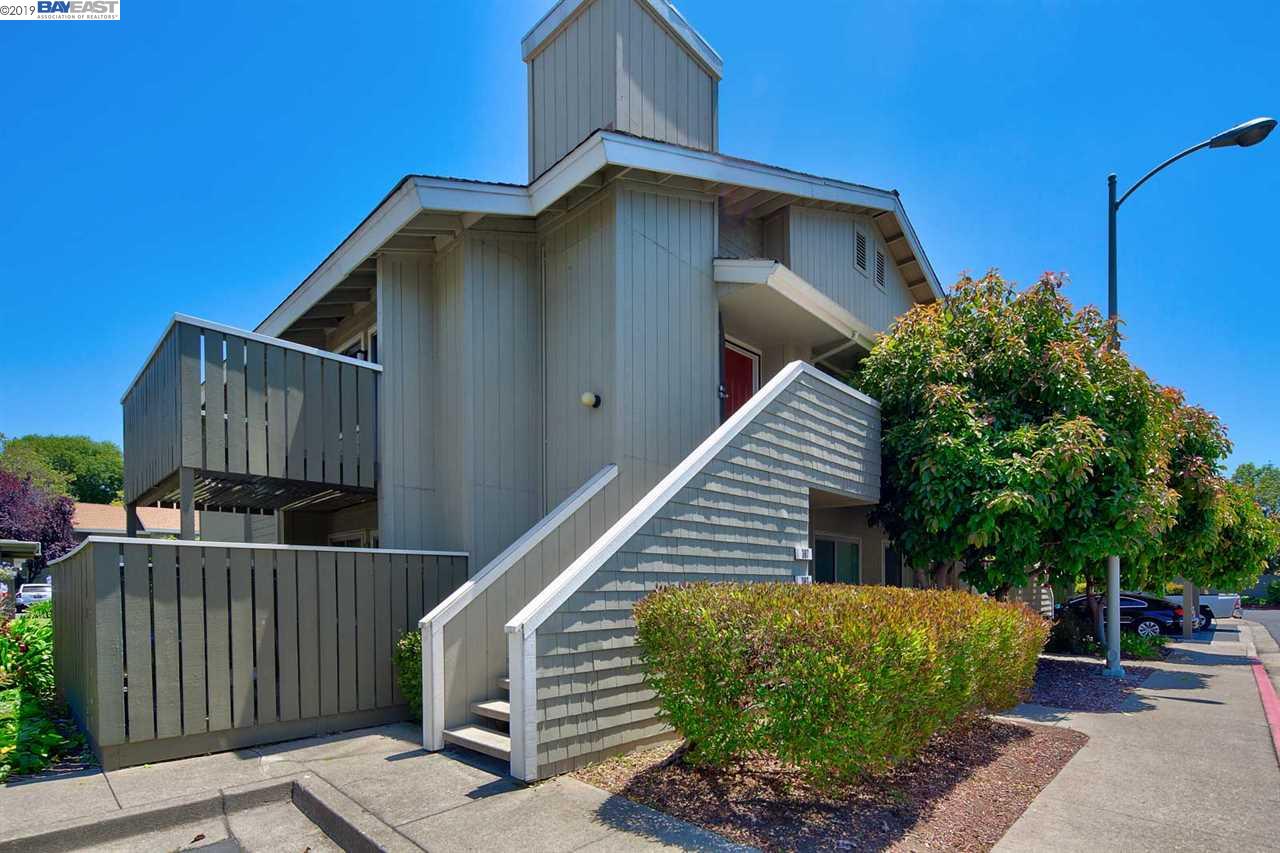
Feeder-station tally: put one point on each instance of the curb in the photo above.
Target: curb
(335, 814)
(1266, 690)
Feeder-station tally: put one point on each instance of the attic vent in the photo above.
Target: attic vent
(860, 250)
(879, 268)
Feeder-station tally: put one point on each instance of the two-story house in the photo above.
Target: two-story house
(627, 372)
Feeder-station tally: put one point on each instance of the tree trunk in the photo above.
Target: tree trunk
(940, 575)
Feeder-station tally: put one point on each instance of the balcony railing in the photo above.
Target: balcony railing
(265, 423)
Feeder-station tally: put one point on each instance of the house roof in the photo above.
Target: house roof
(107, 519)
(469, 200)
(666, 12)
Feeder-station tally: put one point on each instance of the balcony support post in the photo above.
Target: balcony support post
(131, 522)
(186, 502)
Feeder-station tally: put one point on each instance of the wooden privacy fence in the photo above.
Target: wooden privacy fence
(229, 401)
(169, 649)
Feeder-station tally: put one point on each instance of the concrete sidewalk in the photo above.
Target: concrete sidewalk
(1186, 764)
(437, 801)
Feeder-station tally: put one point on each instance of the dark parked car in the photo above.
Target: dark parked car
(1145, 615)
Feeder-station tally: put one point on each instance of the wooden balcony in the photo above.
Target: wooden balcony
(255, 422)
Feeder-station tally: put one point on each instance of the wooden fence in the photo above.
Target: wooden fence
(169, 649)
(225, 400)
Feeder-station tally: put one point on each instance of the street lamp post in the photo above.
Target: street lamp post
(1242, 135)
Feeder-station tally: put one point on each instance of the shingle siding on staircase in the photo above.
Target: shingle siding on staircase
(737, 520)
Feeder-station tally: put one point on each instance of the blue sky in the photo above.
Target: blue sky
(204, 159)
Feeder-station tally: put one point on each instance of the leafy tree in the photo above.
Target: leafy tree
(30, 514)
(1189, 547)
(24, 462)
(1016, 441)
(1263, 481)
(96, 468)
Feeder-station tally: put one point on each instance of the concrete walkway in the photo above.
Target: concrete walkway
(437, 801)
(1186, 764)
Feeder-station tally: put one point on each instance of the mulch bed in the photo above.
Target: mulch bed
(962, 793)
(1079, 685)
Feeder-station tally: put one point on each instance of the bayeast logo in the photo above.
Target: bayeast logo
(62, 10)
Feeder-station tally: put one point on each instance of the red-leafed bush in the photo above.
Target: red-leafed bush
(838, 680)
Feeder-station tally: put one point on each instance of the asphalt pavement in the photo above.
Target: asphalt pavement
(1269, 619)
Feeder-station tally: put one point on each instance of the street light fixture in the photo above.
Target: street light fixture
(1242, 135)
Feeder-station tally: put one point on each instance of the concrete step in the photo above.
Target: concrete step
(480, 739)
(494, 709)
(504, 684)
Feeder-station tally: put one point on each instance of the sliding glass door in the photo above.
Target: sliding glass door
(836, 560)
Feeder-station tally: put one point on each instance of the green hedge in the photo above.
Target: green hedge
(408, 663)
(838, 680)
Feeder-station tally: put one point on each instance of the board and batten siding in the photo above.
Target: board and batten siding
(819, 247)
(409, 511)
(579, 300)
(615, 65)
(667, 332)
(460, 332)
(663, 92)
(573, 84)
(739, 518)
(503, 430)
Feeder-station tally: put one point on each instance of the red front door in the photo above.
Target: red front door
(740, 371)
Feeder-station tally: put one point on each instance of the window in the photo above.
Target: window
(836, 560)
(860, 250)
(879, 268)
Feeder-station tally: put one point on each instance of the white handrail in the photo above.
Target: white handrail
(248, 336)
(558, 591)
(432, 625)
(522, 628)
(269, 546)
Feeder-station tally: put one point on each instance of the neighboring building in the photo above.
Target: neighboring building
(165, 523)
(622, 374)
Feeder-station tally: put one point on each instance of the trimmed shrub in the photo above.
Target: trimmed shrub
(840, 681)
(408, 661)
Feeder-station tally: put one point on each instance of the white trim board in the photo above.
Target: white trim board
(263, 546)
(780, 279)
(603, 148)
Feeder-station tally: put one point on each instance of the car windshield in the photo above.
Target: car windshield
(36, 587)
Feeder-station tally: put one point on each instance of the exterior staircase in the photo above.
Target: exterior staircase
(489, 733)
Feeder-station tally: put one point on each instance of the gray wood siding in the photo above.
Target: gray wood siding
(223, 403)
(614, 65)
(409, 507)
(667, 333)
(739, 518)
(221, 645)
(663, 92)
(461, 336)
(573, 85)
(475, 642)
(580, 318)
(821, 251)
(504, 426)
(740, 237)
